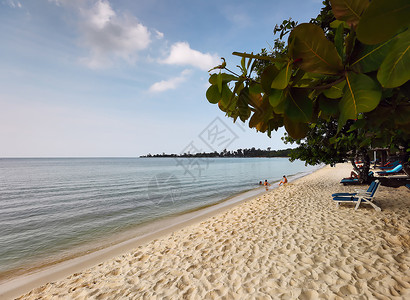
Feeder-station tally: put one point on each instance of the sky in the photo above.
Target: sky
(123, 78)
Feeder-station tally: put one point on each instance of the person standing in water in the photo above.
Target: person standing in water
(284, 180)
(266, 184)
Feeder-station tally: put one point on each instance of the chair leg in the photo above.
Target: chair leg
(377, 208)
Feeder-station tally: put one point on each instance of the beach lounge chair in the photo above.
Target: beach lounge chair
(394, 171)
(347, 181)
(369, 190)
(359, 197)
(390, 165)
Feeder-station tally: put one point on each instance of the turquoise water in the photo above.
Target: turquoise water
(49, 206)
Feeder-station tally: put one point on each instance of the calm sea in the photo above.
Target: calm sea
(50, 206)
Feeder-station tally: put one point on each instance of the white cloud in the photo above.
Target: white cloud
(159, 35)
(14, 4)
(109, 36)
(170, 84)
(182, 54)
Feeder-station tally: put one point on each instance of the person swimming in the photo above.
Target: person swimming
(284, 180)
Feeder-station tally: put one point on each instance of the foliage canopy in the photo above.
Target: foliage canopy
(340, 82)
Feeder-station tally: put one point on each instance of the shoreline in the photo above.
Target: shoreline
(140, 231)
(11, 287)
(288, 242)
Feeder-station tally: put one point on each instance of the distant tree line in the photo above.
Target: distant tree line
(252, 152)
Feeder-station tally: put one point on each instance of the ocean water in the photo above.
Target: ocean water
(48, 207)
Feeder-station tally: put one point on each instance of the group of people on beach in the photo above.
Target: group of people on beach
(267, 184)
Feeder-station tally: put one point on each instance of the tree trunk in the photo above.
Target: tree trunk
(363, 172)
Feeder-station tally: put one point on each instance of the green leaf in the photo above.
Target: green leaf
(370, 57)
(213, 79)
(281, 107)
(281, 81)
(361, 94)
(336, 24)
(276, 97)
(219, 80)
(267, 77)
(213, 95)
(243, 64)
(357, 125)
(255, 88)
(395, 69)
(339, 39)
(299, 107)
(349, 10)
(312, 51)
(296, 130)
(328, 106)
(226, 94)
(336, 91)
(382, 20)
(243, 108)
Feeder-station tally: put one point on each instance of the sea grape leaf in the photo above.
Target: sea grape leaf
(370, 57)
(262, 115)
(312, 52)
(339, 40)
(299, 107)
(395, 69)
(336, 91)
(281, 80)
(349, 10)
(213, 79)
(336, 24)
(328, 106)
(361, 94)
(219, 82)
(213, 95)
(267, 77)
(296, 130)
(243, 108)
(276, 97)
(226, 94)
(255, 88)
(382, 20)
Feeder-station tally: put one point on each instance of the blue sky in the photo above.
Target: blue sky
(125, 78)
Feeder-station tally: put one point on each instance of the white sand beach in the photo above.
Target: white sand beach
(290, 243)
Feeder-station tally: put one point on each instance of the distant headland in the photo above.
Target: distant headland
(252, 152)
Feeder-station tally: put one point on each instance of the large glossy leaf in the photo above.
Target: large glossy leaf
(361, 94)
(276, 97)
(382, 20)
(213, 79)
(349, 10)
(395, 69)
(299, 107)
(336, 91)
(213, 95)
(262, 115)
(312, 52)
(339, 39)
(296, 130)
(281, 81)
(370, 57)
(267, 77)
(243, 108)
(328, 106)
